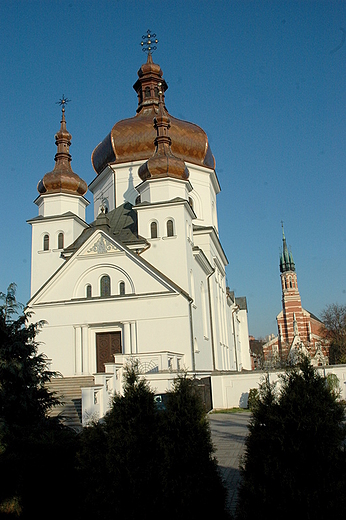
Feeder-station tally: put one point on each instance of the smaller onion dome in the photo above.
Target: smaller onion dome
(163, 163)
(62, 179)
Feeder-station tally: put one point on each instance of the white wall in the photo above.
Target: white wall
(205, 189)
(232, 390)
(45, 263)
(159, 324)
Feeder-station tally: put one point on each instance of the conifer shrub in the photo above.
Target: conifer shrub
(253, 398)
(35, 449)
(143, 461)
(294, 462)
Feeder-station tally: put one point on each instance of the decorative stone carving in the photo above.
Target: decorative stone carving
(102, 246)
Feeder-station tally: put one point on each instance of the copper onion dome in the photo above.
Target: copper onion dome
(133, 139)
(62, 179)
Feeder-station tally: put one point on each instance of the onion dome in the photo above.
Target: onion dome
(133, 139)
(163, 163)
(62, 179)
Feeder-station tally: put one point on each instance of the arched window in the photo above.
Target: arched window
(153, 230)
(105, 286)
(61, 241)
(88, 291)
(170, 228)
(46, 243)
(147, 92)
(122, 288)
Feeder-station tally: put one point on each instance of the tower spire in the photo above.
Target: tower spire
(286, 259)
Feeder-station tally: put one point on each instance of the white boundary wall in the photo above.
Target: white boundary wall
(232, 389)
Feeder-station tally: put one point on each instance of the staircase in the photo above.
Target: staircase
(68, 391)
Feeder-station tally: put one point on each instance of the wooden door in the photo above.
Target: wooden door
(107, 344)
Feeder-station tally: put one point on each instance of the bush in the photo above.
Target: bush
(35, 449)
(253, 398)
(294, 462)
(146, 462)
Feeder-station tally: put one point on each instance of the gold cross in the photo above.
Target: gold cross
(147, 42)
(62, 102)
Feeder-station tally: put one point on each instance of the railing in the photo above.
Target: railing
(157, 367)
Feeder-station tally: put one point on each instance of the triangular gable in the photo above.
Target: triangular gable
(101, 245)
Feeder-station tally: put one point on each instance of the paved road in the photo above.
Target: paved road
(228, 433)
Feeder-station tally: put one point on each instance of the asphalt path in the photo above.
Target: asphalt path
(228, 433)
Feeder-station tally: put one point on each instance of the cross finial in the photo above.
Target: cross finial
(147, 42)
(282, 225)
(62, 102)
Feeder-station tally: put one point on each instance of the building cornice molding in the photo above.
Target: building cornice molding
(210, 230)
(65, 216)
(202, 260)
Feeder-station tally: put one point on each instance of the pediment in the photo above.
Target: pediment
(102, 255)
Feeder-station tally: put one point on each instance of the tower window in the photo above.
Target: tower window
(46, 243)
(88, 291)
(170, 228)
(147, 92)
(105, 286)
(122, 288)
(61, 241)
(153, 230)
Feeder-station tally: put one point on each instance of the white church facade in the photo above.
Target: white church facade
(146, 280)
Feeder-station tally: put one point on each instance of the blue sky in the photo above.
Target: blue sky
(264, 79)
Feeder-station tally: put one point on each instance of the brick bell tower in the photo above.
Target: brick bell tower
(292, 321)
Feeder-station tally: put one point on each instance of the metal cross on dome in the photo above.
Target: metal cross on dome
(62, 102)
(147, 42)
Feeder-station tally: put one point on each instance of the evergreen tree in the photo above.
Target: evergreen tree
(119, 457)
(31, 443)
(191, 480)
(24, 398)
(294, 462)
(149, 463)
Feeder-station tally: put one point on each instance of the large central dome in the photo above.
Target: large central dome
(133, 139)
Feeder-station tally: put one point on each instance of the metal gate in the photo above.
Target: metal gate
(203, 387)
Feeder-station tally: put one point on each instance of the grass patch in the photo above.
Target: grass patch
(231, 410)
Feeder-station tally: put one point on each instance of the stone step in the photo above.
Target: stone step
(68, 391)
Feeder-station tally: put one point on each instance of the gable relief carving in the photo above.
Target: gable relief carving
(102, 246)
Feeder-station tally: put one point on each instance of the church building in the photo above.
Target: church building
(298, 329)
(146, 279)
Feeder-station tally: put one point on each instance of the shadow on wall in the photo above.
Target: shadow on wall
(243, 401)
